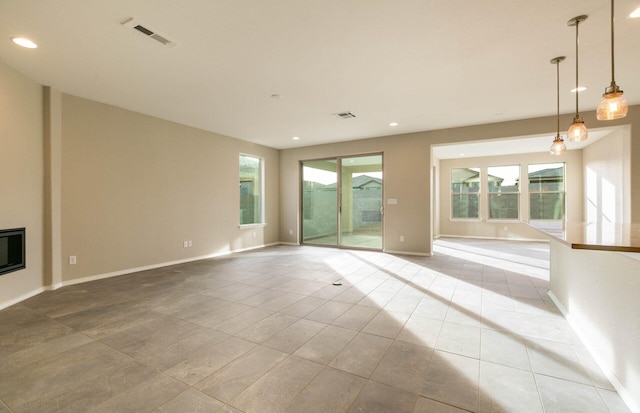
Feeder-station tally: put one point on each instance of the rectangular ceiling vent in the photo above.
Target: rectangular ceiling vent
(136, 25)
(345, 115)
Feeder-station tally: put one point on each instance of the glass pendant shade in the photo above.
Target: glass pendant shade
(558, 147)
(577, 131)
(613, 105)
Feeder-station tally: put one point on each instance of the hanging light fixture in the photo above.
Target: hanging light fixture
(578, 130)
(613, 104)
(558, 147)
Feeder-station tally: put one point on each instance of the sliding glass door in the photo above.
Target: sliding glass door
(342, 201)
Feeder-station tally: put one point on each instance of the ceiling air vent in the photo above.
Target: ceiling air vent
(136, 25)
(345, 115)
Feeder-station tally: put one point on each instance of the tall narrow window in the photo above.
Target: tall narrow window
(465, 188)
(251, 199)
(546, 192)
(503, 183)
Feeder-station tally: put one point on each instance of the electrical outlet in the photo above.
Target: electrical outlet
(401, 238)
(290, 232)
(190, 244)
(73, 260)
(185, 244)
(254, 234)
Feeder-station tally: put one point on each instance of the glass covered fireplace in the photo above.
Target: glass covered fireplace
(12, 250)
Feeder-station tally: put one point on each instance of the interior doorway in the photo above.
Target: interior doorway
(341, 201)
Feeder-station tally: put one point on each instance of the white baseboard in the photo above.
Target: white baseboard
(420, 254)
(20, 298)
(575, 325)
(159, 265)
(493, 238)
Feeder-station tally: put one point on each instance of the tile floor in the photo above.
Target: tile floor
(469, 329)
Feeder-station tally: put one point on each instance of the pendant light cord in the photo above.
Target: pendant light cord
(613, 80)
(577, 83)
(558, 96)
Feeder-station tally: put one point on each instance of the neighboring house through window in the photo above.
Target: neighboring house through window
(251, 190)
(465, 189)
(504, 191)
(546, 192)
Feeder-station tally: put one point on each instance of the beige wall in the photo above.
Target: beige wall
(21, 169)
(607, 188)
(135, 187)
(406, 178)
(485, 228)
(407, 168)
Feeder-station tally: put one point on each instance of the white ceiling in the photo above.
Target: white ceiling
(425, 64)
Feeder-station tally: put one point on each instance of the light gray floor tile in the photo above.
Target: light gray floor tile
(556, 360)
(380, 398)
(404, 366)
(613, 401)
(191, 401)
(453, 380)
(424, 405)
(595, 373)
(243, 320)
(304, 306)
(356, 318)
(362, 354)
(504, 348)
(181, 319)
(275, 390)
(386, 324)
(199, 365)
(505, 389)
(293, 337)
(231, 380)
(431, 307)
(563, 396)
(404, 304)
(264, 329)
(324, 346)
(420, 330)
(144, 397)
(331, 391)
(471, 315)
(283, 301)
(459, 339)
(328, 312)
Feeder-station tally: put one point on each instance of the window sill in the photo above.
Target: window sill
(465, 220)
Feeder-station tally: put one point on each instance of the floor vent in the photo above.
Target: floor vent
(163, 40)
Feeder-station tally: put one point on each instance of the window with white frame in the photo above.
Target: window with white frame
(465, 191)
(546, 192)
(503, 184)
(251, 190)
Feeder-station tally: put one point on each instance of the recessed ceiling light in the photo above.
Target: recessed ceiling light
(579, 89)
(296, 138)
(392, 124)
(21, 41)
(462, 154)
(635, 14)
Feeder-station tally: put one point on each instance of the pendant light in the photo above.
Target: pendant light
(613, 104)
(558, 147)
(578, 130)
